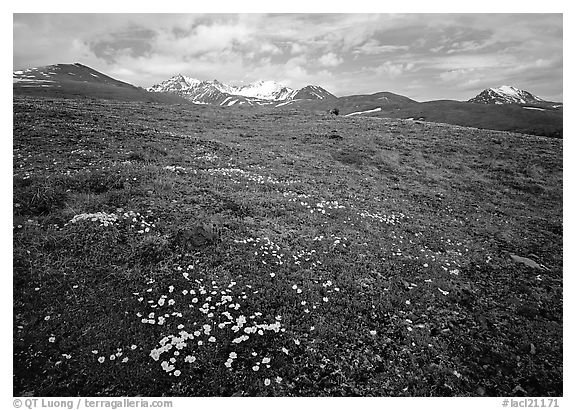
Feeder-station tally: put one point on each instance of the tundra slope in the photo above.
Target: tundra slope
(373, 255)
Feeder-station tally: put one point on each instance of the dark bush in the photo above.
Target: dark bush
(152, 249)
(36, 197)
(97, 182)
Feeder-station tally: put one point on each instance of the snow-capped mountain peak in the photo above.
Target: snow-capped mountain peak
(507, 89)
(505, 94)
(177, 83)
(266, 90)
(515, 93)
(313, 92)
(256, 93)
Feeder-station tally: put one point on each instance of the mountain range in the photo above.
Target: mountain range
(256, 93)
(503, 108)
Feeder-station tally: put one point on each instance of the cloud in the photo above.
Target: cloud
(372, 46)
(351, 52)
(270, 48)
(330, 60)
(465, 46)
(475, 61)
(201, 39)
(297, 48)
(457, 74)
(136, 42)
(392, 70)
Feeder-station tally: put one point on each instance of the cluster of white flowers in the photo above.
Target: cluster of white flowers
(104, 218)
(82, 151)
(391, 219)
(329, 205)
(175, 168)
(247, 175)
(337, 239)
(217, 307)
(230, 359)
(137, 220)
(448, 259)
(320, 207)
(267, 250)
(208, 157)
(113, 356)
(304, 255)
(169, 342)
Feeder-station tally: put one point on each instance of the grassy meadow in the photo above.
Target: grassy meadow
(181, 250)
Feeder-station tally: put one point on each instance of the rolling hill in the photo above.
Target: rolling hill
(79, 81)
(511, 117)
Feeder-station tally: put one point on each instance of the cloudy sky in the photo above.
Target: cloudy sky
(421, 56)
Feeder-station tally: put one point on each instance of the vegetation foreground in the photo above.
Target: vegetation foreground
(198, 251)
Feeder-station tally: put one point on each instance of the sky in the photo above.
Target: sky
(421, 56)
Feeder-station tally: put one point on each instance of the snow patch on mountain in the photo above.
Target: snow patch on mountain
(515, 94)
(285, 103)
(363, 112)
(534, 108)
(265, 90)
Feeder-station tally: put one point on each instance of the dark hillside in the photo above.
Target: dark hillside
(79, 81)
(526, 119)
(510, 117)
